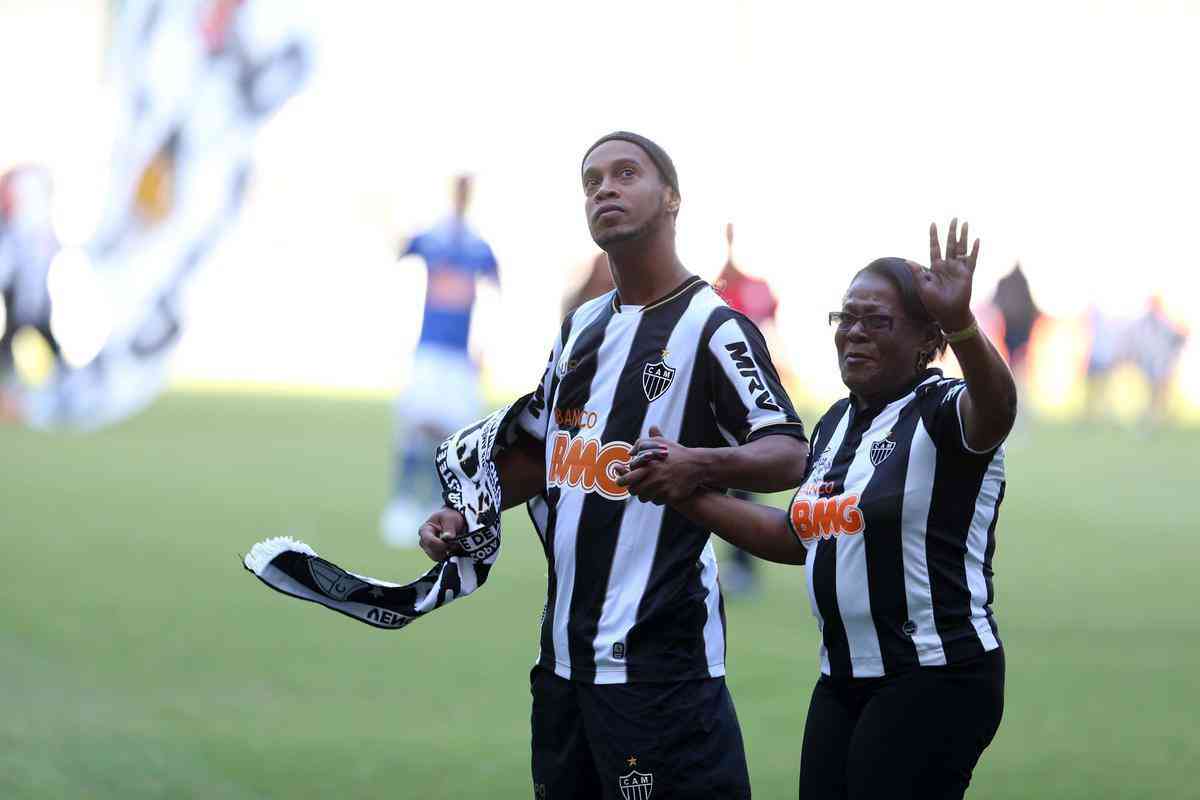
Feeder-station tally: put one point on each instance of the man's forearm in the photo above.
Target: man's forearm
(522, 469)
(770, 464)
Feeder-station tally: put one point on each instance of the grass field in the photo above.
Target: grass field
(139, 660)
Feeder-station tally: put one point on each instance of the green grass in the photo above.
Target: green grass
(138, 659)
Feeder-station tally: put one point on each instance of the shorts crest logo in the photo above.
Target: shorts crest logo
(881, 449)
(656, 378)
(636, 785)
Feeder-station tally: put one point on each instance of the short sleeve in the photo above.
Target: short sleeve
(487, 263)
(414, 246)
(747, 396)
(942, 412)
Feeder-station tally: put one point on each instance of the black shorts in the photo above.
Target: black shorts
(914, 735)
(635, 741)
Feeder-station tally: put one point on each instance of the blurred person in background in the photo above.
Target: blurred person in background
(27, 247)
(754, 298)
(1014, 301)
(443, 394)
(1151, 344)
(895, 523)
(1156, 342)
(598, 281)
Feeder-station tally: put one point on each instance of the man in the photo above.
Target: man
(455, 258)
(629, 696)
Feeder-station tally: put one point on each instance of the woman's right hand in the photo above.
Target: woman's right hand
(439, 535)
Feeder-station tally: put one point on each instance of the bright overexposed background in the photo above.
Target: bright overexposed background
(830, 134)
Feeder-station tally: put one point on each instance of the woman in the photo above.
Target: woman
(895, 523)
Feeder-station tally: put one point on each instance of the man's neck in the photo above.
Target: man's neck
(645, 270)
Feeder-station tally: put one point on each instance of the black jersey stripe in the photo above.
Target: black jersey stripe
(957, 480)
(882, 501)
(547, 634)
(668, 586)
(597, 542)
(581, 363)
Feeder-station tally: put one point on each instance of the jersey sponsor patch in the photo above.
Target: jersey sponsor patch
(744, 362)
(826, 517)
(582, 462)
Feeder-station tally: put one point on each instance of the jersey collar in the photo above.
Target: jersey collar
(679, 291)
(925, 376)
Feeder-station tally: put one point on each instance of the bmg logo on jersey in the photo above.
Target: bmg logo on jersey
(581, 462)
(826, 516)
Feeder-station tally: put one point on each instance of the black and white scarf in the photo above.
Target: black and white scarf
(470, 484)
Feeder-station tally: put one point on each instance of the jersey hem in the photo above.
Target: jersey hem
(563, 670)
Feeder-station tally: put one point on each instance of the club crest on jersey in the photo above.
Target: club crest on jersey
(636, 785)
(881, 449)
(657, 378)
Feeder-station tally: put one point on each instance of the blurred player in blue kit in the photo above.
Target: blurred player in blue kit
(443, 390)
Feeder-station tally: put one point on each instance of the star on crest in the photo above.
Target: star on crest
(632, 760)
(665, 353)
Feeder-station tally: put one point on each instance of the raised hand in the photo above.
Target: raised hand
(945, 288)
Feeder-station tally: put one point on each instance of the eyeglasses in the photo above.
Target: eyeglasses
(844, 321)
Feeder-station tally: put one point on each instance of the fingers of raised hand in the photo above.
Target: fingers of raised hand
(952, 244)
(935, 249)
(974, 257)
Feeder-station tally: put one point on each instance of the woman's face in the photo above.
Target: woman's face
(876, 363)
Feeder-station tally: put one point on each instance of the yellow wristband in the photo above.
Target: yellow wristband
(963, 335)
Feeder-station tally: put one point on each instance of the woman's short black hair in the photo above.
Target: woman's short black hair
(899, 274)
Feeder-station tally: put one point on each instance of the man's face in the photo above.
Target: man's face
(625, 195)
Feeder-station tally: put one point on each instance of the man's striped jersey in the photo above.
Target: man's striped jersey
(898, 516)
(632, 590)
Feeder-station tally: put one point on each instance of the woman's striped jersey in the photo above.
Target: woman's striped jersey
(898, 516)
(632, 591)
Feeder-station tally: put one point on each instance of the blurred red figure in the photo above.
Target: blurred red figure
(751, 296)
(754, 298)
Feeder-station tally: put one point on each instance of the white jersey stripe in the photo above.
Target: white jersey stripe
(714, 626)
(835, 443)
(918, 493)
(985, 511)
(614, 350)
(637, 538)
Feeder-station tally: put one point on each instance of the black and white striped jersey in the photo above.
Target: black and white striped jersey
(898, 516)
(632, 590)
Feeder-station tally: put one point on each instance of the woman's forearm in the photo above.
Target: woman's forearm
(990, 405)
(760, 530)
